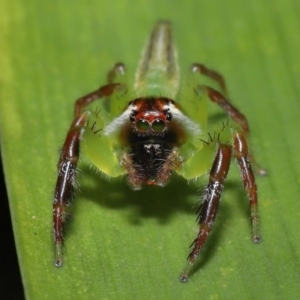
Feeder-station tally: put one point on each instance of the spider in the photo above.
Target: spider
(153, 129)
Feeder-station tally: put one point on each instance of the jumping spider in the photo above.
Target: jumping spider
(141, 132)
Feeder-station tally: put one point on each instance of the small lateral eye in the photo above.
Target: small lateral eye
(168, 116)
(132, 117)
(158, 125)
(142, 125)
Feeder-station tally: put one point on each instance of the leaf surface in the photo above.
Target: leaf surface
(122, 244)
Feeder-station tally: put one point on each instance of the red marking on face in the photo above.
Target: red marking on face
(150, 114)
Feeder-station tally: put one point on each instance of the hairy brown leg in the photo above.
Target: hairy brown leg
(238, 117)
(67, 164)
(210, 203)
(240, 150)
(103, 91)
(224, 103)
(64, 191)
(210, 73)
(233, 112)
(218, 97)
(112, 74)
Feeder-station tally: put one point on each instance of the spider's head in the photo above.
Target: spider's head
(150, 116)
(153, 118)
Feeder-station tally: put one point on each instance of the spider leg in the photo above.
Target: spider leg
(210, 73)
(210, 203)
(115, 72)
(234, 113)
(103, 91)
(237, 116)
(64, 190)
(115, 79)
(67, 164)
(219, 98)
(240, 151)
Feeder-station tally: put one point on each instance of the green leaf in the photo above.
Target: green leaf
(122, 244)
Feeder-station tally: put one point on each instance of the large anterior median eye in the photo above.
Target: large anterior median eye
(142, 125)
(158, 125)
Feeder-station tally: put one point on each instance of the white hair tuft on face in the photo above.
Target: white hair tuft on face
(184, 120)
(118, 122)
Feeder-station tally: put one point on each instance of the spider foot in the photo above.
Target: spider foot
(255, 225)
(256, 239)
(184, 276)
(58, 255)
(255, 234)
(260, 171)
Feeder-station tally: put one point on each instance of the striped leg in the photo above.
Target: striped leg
(67, 164)
(210, 203)
(240, 151)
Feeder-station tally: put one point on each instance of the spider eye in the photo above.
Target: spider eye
(142, 125)
(169, 116)
(158, 125)
(132, 117)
